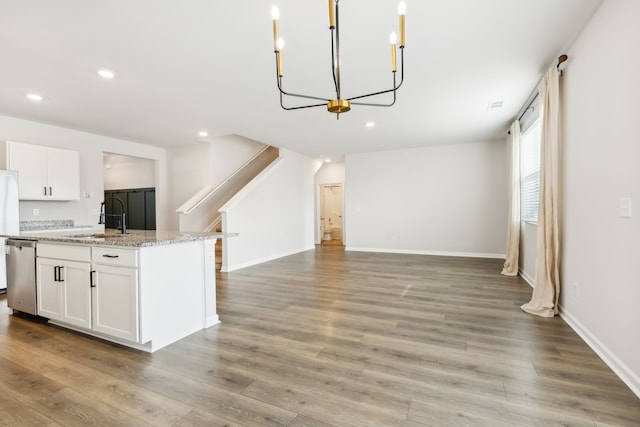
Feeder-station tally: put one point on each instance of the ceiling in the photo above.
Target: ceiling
(186, 66)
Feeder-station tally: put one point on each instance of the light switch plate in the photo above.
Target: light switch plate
(625, 207)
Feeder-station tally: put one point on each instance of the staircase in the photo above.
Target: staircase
(200, 212)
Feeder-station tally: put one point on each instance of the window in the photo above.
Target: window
(530, 173)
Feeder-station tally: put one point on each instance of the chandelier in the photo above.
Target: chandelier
(339, 105)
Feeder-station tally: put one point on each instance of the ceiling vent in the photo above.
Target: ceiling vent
(494, 105)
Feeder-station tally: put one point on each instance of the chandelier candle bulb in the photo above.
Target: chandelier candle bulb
(332, 15)
(393, 38)
(279, 47)
(402, 11)
(275, 15)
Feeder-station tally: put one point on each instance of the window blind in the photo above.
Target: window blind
(530, 173)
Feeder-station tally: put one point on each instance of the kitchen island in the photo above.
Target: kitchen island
(143, 289)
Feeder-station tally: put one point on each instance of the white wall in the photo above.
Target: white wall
(190, 170)
(329, 173)
(527, 256)
(230, 153)
(124, 172)
(446, 199)
(91, 148)
(196, 166)
(600, 250)
(274, 215)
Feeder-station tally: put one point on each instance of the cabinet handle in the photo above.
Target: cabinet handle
(91, 284)
(50, 191)
(45, 190)
(111, 256)
(57, 276)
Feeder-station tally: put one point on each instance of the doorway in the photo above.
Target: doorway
(331, 206)
(131, 180)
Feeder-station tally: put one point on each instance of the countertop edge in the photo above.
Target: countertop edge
(130, 240)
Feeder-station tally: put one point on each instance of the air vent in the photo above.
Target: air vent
(494, 105)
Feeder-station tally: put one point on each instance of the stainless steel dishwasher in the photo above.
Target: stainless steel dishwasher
(21, 275)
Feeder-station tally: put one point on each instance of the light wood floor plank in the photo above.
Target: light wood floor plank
(327, 338)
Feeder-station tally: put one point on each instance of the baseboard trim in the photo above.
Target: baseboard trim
(420, 252)
(228, 269)
(608, 357)
(530, 280)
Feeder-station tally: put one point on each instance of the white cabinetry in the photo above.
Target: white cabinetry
(115, 295)
(144, 297)
(64, 284)
(102, 300)
(44, 173)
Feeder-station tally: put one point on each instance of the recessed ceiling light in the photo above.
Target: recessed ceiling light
(34, 96)
(370, 124)
(106, 74)
(203, 133)
(327, 160)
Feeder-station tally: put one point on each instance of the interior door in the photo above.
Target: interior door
(331, 207)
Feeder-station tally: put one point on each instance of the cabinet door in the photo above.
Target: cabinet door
(150, 209)
(63, 174)
(76, 293)
(115, 302)
(49, 290)
(135, 210)
(31, 163)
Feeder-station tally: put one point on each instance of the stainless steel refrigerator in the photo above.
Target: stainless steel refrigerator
(9, 216)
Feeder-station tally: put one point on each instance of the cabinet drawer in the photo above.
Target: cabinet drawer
(67, 252)
(115, 256)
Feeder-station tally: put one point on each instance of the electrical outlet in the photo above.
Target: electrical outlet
(36, 212)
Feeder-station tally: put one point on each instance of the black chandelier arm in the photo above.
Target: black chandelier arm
(336, 78)
(297, 95)
(394, 89)
(283, 92)
(401, 69)
(335, 60)
(372, 94)
(300, 96)
(373, 104)
(301, 107)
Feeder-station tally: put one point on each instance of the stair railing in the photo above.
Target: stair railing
(206, 192)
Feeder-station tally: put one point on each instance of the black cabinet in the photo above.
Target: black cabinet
(139, 207)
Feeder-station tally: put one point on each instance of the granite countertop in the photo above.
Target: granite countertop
(133, 238)
(56, 225)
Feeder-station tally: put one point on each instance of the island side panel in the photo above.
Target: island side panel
(210, 308)
(172, 289)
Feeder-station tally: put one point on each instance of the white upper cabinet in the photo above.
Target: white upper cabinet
(44, 173)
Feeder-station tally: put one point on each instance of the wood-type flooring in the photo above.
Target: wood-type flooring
(327, 338)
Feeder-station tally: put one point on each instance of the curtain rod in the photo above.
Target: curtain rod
(534, 95)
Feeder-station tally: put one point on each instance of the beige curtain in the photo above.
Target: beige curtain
(513, 232)
(546, 289)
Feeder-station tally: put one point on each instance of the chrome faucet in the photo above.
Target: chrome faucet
(103, 214)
